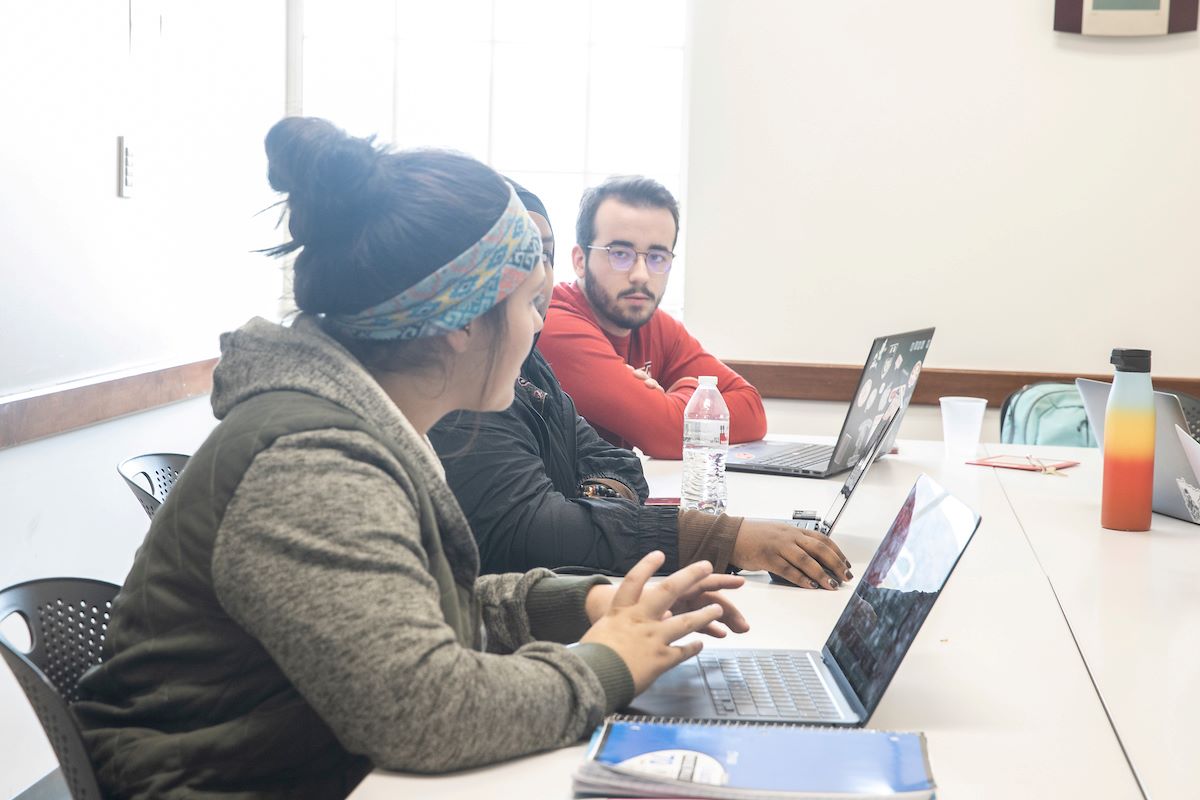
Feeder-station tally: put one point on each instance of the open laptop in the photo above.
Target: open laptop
(1188, 490)
(891, 372)
(812, 521)
(844, 682)
(825, 524)
(1170, 461)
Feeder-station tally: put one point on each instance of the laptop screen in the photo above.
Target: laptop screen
(890, 374)
(899, 588)
(860, 469)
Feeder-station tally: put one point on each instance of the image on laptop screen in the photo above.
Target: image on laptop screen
(899, 588)
(889, 376)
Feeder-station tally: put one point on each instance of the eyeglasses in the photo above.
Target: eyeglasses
(622, 258)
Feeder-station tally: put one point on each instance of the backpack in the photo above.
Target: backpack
(1046, 413)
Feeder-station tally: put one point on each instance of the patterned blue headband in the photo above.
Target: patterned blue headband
(456, 293)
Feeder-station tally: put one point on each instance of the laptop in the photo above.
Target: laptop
(1170, 461)
(825, 524)
(1190, 492)
(843, 683)
(811, 520)
(1191, 449)
(891, 372)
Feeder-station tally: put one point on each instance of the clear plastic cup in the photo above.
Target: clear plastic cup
(962, 422)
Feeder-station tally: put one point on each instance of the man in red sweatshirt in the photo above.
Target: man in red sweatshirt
(630, 367)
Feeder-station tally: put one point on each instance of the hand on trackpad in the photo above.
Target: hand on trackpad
(683, 679)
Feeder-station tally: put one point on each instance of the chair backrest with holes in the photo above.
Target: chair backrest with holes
(159, 471)
(1191, 413)
(67, 620)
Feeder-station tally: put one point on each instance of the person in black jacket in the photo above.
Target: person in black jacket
(540, 487)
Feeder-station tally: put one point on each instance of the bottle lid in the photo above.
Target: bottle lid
(711, 380)
(1129, 360)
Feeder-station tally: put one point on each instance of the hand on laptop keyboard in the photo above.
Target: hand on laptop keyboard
(640, 622)
(805, 558)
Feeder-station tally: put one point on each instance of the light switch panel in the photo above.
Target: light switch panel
(124, 167)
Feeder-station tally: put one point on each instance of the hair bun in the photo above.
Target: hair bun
(325, 174)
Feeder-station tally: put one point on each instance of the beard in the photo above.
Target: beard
(609, 307)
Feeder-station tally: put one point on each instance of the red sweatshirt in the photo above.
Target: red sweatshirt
(591, 365)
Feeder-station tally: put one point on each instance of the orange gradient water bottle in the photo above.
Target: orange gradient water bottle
(1129, 444)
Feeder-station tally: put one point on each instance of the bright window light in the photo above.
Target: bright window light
(556, 94)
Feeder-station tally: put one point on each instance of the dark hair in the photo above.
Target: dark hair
(530, 200)
(534, 204)
(370, 223)
(633, 190)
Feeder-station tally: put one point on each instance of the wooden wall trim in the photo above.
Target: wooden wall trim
(57, 409)
(837, 382)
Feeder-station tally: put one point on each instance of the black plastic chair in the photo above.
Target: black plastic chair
(1191, 412)
(67, 620)
(159, 470)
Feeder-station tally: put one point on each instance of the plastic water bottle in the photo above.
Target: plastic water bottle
(705, 445)
(1128, 487)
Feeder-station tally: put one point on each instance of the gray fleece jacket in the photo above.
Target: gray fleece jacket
(307, 604)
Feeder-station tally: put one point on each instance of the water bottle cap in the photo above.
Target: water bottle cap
(708, 380)
(1129, 360)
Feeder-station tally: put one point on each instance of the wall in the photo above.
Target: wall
(810, 418)
(862, 168)
(94, 283)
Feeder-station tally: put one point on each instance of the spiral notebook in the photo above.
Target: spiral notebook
(648, 757)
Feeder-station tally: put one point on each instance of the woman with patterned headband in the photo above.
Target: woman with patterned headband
(307, 603)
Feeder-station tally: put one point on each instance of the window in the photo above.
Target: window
(557, 94)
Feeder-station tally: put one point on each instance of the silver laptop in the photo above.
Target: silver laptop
(1170, 461)
(844, 682)
(890, 373)
(812, 521)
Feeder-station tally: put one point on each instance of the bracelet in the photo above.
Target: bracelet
(597, 490)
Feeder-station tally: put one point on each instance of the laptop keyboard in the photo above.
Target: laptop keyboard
(800, 457)
(766, 685)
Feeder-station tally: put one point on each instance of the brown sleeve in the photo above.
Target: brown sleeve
(705, 536)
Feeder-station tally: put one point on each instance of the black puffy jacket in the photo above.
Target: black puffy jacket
(517, 473)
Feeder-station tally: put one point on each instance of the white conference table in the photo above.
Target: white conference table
(1133, 603)
(995, 678)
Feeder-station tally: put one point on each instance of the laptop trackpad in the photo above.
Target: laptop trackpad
(678, 692)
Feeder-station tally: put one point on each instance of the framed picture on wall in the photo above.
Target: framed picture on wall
(1125, 17)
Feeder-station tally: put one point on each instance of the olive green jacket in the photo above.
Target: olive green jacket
(306, 605)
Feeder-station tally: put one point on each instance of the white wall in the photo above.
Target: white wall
(811, 418)
(861, 168)
(93, 283)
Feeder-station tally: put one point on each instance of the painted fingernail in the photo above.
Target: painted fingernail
(833, 584)
(814, 584)
(849, 574)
